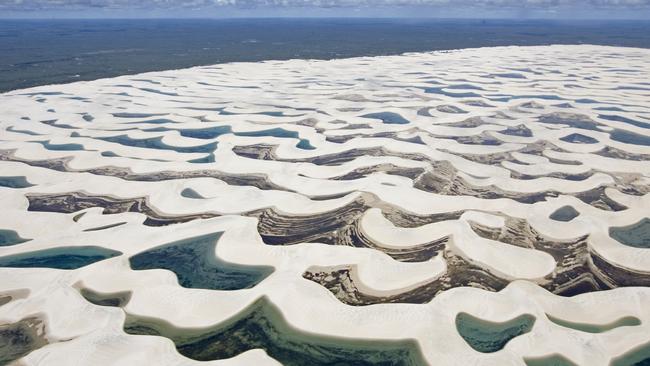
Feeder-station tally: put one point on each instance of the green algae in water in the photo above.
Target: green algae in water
(195, 264)
(5, 299)
(206, 133)
(204, 160)
(15, 182)
(303, 144)
(115, 299)
(263, 326)
(20, 338)
(137, 115)
(639, 356)
(626, 321)
(105, 227)
(565, 214)
(635, 235)
(485, 336)
(10, 237)
(551, 360)
(59, 258)
(190, 193)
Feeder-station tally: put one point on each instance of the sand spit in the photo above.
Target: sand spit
(482, 206)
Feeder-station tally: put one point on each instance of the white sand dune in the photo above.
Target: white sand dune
(372, 198)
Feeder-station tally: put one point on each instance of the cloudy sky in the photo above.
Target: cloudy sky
(560, 9)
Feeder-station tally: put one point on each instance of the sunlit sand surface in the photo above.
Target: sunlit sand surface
(482, 206)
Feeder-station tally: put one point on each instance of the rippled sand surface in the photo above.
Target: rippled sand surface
(482, 206)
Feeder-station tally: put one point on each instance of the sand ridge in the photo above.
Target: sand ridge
(386, 194)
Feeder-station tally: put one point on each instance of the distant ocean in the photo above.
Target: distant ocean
(37, 52)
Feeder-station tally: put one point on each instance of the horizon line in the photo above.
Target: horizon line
(327, 17)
